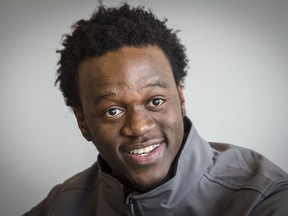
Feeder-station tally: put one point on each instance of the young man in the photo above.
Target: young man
(122, 73)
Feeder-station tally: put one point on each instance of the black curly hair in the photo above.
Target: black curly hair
(109, 29)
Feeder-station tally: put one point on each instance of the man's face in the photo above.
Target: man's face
(132, 111)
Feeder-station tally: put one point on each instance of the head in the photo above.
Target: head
(121, 71)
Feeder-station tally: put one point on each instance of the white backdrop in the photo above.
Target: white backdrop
(236, 91)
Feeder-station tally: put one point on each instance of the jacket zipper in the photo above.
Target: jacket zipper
(133, 207)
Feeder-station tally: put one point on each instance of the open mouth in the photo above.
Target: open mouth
(144, 156)
(144, 151)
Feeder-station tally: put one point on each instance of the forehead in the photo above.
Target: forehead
(127, 66)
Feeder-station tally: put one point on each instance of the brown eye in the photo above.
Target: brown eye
(113, 112)
(155, 102)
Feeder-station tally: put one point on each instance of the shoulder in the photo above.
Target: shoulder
(69, 191)
(85, 179)
(239, 168)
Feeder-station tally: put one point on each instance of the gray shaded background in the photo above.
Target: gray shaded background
(236, 92)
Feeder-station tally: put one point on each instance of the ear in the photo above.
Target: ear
(180, 89)
(81, 120)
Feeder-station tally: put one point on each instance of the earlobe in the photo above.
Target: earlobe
(181, 97)
(80, 116)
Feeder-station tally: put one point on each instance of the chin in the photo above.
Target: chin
(144, 185)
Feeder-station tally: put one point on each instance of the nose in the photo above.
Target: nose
(137, 124)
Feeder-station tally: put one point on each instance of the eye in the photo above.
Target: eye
(155, 102)
(113, 112)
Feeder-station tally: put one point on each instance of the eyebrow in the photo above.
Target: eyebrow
(157, 83)
(105, 95)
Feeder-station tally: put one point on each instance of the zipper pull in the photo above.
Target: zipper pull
(131, 207)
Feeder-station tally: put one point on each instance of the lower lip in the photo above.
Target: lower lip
(148, 159)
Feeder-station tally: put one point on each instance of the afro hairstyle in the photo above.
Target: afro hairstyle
(109, 29)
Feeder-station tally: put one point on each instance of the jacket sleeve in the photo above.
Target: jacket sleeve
(43, 207)
(276, 204)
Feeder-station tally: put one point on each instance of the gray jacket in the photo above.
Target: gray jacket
(211, 179)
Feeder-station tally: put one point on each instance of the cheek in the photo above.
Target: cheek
(172, 116)
(104, 137)
(173, 126)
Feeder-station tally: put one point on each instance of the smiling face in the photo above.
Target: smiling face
(132, 111)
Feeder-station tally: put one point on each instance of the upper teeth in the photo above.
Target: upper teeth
(144, 151)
